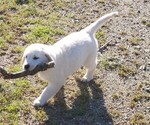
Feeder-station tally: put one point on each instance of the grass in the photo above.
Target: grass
(115, 113)
(101, 1)
(25, 21)
(100, 35)
(123, 47)
(14, 68)
(109, 62)
(18, 49)
(1, 41)
(134, 41)
(125, 70)
(139, 95)
(11, 103)
(43, 34)
(138, 119)
(146, 22)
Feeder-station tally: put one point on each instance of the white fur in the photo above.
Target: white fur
(69, 54)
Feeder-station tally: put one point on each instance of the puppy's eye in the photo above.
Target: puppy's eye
(35, 58)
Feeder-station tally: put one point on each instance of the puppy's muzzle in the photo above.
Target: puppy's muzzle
(26, 67)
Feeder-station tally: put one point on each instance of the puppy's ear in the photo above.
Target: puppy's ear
(48, 57)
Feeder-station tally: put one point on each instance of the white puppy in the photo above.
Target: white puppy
(69, 54)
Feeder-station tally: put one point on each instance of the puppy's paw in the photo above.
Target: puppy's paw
(38, 102)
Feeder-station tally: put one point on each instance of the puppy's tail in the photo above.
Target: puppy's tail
(92, 28)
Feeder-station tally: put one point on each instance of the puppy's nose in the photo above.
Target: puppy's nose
(26, 67)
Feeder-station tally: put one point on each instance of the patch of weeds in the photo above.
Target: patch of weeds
(42, 34)
(146, 83)
(109, 62)
(40, 114)
(136, 62)
(2, 41)
(115, 113)
(22, 83)
(125, 71)
(28, 11)
(53, 18)
(137, 119)
(115, 3)
(104, 62)
(101, 1)
(13, 106)
(146, 23)
(100, 35)
(31, 21)
(138, 96)
(132, 104)
(6, 4)
(13, 68)
(2, 100)
(11, 103)
(115, 96)
(139, 87)
(17, 49)
(2, 45)
(16, 22)
(134, 41)
(57, 4)
(9, 37)
(123, 47)
(17, 93)
(6, 33)
(70, 15)
(10, 118)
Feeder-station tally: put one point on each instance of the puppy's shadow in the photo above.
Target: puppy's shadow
(87, 109)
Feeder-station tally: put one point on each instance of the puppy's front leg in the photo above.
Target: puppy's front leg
(47, 93)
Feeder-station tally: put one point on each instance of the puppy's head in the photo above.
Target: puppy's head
(33, 55)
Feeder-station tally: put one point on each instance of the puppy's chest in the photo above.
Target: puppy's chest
(47, 75)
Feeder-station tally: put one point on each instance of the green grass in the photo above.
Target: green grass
(109, 62)
(18, 49)
(42, 34)
(125, 70)
(100, 35)
(11, 102)
(115, 113)
(138, 119)
(14, 68)
(28, 22)
(134, 41)
(146, 22)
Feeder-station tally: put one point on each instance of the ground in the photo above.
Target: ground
(120, 91)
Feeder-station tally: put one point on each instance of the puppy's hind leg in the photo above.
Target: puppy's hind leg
(91, 65)
(47, 93)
